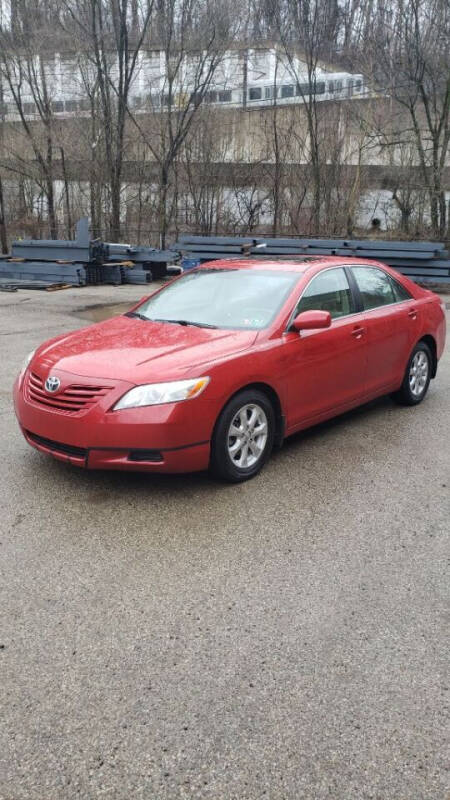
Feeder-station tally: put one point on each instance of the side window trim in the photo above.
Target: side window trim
(353, 294)
(358, 305)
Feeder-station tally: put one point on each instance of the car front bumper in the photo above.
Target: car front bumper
(173, 437)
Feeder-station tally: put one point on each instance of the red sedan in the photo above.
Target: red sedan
(219, 366)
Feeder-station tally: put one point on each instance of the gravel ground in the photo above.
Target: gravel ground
(170, 637)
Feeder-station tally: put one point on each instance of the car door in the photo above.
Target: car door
(325, 369)
(391, 318)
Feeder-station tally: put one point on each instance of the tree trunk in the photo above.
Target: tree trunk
(114, 226)
(317, 200)
(434, 212)
(404, 221)
(53, 225)
(311, 112)
(3, 235)
(163, 191)
(442, 215)
(276, 176)
(93, 203)
(66, 194)
(317, 194)
(23, 209)
(349, 224)
(48, 172)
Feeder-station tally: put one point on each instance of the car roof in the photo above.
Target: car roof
(297, 264)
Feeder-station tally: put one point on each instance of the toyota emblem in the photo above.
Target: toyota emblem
(52, 383)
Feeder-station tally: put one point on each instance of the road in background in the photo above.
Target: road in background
(171, 637)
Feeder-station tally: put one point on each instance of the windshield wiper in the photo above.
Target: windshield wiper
(136, 314)
(174, 321)
(186, 322)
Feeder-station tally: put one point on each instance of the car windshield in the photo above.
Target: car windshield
(245, 299)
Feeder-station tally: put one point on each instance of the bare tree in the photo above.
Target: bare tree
(203, 155)
(304, 28)
(423, 55)
(193, 38)
(111, 34)
(408, 45)
(25, 70)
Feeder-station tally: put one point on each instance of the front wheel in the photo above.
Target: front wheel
(243, 437)
(417, 376)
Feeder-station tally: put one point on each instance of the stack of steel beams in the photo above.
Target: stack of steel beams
(140, 264)
(91, 261)
(45, 262)
(48, 272)
(424, 262)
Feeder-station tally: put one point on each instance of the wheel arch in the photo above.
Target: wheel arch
(431, 342)
(274, 398)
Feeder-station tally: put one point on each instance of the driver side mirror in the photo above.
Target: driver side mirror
(311, 320)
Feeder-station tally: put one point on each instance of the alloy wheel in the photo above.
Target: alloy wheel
(418, 373)
(247, 436)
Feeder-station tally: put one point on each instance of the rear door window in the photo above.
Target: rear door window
(375, 286)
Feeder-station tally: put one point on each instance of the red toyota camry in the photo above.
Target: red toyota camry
(218, 366)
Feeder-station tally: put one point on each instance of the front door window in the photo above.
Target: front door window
(328, 291)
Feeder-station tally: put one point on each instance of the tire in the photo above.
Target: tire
(236, 458)
(417, 376)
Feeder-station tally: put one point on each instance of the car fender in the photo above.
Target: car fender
(248, 369)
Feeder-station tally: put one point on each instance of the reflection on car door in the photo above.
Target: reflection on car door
(325, 369)
(391, 317)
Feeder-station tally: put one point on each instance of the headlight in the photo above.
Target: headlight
(27, 361)
(154, 394)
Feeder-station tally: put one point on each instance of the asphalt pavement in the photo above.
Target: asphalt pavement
(171, 637)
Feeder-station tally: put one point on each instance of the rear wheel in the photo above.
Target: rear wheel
(417, 376)
(243, 437)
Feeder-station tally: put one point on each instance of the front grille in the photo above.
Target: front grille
(72, 400)
(58, 447)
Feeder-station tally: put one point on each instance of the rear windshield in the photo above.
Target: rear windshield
(238, 299)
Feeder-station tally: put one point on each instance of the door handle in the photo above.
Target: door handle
(358, 332)
(412, 313)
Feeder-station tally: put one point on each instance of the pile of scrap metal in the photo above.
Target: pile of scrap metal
(423, 262)
(58, 264)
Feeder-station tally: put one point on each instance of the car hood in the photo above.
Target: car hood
(134, 350)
